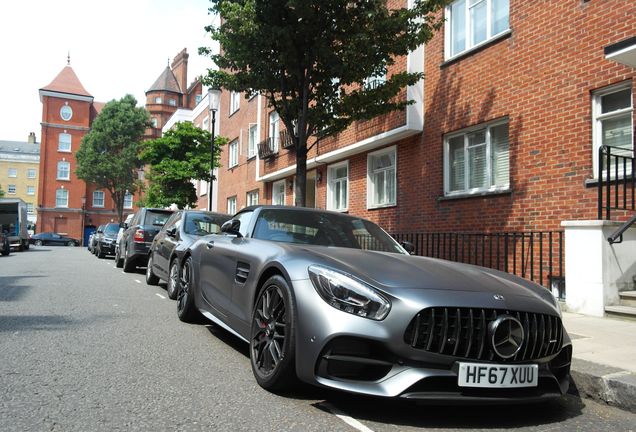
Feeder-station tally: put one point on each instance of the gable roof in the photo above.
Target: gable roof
(166, 82)
(67, 82)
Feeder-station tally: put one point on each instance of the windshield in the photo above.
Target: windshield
(201, 224)
(111, 229)
(325, 229)
(156, 218)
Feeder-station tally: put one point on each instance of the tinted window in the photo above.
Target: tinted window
(204, 224)
(172, 221)
(245, 218)
(154, 217)
(326, 229)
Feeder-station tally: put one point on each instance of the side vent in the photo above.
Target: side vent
(242, 271)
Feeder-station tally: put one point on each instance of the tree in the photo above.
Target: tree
(312, 58)
(109, 154)
(181, 155)
(1, 192)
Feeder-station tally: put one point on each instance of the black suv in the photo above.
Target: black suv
(138, 235)
(105, 239)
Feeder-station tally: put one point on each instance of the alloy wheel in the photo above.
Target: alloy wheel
(184, 292)
(173, 280)
(269, 330)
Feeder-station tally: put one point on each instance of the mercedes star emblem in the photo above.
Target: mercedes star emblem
(506, 336)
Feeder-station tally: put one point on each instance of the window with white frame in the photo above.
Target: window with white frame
(477, 159)
(233, 152)
(29, 207)
(13, 172)
(470, 23)
(30, 190)
(128, 200)
(63, 170)
(252, 198)
(235, 101)
(612, 112)
(274, 129)
(251, 140)
(11, 189)
(158, 100)
(381, 178)
(64, 142)
(154, 122)
(338, 186)
(98, 199)
(31, 173)
(375, 80)
(172, 102)
(231, 205)
(61, 198)
(278, 192)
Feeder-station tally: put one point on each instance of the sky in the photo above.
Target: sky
(116, 47)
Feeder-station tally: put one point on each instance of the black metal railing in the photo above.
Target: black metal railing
(616, 181)
(286, 139)
(267, 148)
(534, 255)
(374, 83)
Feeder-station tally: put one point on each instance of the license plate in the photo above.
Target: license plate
(497, 376)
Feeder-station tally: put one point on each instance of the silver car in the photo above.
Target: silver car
(334, 301)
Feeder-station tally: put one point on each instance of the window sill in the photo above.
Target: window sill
(382, 206)
(593, 182)
(233, 112)
(63, 179)
(64, 151)
(477, 48)
(475, 195)
(249, 158)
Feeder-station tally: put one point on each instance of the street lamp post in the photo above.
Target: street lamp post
(214, 97)
(83, 218)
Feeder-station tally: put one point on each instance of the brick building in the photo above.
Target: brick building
(66, 204)
(503, 135)
(19, 166)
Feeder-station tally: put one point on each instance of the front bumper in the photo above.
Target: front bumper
(107, 247)
(339, 350)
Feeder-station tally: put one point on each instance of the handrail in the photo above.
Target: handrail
(618, 234)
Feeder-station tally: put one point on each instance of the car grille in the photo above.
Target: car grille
(463, 332)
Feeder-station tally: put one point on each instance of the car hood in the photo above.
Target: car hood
(394, 273)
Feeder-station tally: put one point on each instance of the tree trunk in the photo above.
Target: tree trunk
(301, 176)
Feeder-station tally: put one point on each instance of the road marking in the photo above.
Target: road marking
(138, 281)
(159, 295)
(345, 418)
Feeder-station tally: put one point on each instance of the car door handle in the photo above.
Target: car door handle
(209, 244)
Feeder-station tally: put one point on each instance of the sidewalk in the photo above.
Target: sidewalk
(604, 359)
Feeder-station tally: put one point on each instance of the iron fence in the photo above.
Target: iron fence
(534, 255)
(616, 181)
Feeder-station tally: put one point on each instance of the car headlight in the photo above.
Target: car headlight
(347, 294)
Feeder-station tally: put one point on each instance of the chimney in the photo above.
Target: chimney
(180, 69)
(31, 139)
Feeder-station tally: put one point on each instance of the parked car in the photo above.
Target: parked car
(177, 235)
(5, 245)
(334, 301)
(92, 240)
(51, 238)
(105, 240)
(119, 261)
(138, 235)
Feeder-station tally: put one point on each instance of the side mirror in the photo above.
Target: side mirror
(232, 227)
(408, 246)
(172, 232)
(125, 225)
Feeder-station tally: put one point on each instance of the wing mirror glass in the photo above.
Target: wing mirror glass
(232, 227)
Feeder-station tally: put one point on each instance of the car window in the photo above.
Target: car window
(325, 229)
(172, 221)
(245, 218)
(55, 236)
(203, 224)
(111, 229)
(156, 218)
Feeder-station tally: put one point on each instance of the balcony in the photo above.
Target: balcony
(286, 140)
(268, 148)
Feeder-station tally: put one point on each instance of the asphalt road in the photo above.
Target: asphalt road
(86, 347)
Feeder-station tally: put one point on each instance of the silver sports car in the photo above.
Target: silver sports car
(333, 300)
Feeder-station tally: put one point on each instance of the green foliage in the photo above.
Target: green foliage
(1, 192)
(311, 59)
(182, 154)
(109, 154)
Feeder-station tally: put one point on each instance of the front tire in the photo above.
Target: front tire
(38, 243)
(273, 336)
(70, 243)
(186, 309)
(151, 277)
(173, 280)
(100, 253)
